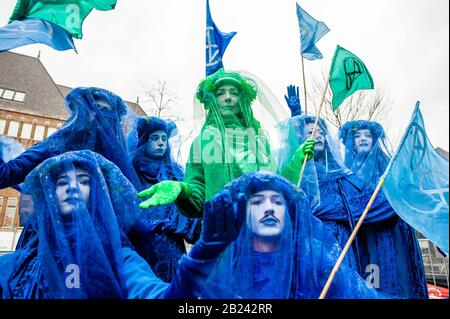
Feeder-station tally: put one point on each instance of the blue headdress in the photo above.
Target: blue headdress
(325, 166)
(85, 243)
(368, 165)
(96, 123)
(299, 267)
(151, 170)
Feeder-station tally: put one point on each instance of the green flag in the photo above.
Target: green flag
(347, 75)
(69, 14)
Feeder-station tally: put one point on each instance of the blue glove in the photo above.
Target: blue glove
(222, 222)
(293, 100)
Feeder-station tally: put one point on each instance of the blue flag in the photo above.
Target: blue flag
(216, 43)
(28, 31)
(416, 184)
(311, 31)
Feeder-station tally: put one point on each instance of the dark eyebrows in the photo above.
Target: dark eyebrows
(277, 197)
(157, 135)
(83, 175)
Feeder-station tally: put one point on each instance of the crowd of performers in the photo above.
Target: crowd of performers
(107, 209)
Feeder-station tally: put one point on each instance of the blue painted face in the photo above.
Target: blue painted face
(363, 140)
(157, 144)
(266, 212)
(72, 190)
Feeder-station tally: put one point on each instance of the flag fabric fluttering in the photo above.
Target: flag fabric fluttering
(216, 44)
(311, 31)
(416, 184)
(348, 74)
(67, 14)
(29, 31)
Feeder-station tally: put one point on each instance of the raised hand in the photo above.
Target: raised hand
(222, 222)
(293, 100)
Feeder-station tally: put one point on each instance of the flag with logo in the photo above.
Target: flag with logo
(216, 43)
(347, 75)
(416, 184)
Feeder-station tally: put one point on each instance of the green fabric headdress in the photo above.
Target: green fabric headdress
(207, 88)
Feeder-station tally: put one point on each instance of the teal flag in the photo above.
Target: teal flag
(348, 74)
(68, 14)
(416, 184)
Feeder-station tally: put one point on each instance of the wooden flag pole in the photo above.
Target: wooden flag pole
(350, 240)
(314, 129)
(304, 85)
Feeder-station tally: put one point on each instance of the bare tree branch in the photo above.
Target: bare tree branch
(363, 105)
(162, 103)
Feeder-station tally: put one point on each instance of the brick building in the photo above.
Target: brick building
(31, 108)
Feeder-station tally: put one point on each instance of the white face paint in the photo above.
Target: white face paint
(266, 212)
(72, 190)
(157, 144)
(228, 99)
(363, 141)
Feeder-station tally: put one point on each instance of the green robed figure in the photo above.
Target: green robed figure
(231, 142)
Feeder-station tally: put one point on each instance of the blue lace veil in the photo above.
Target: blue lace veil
(99, 121)
(368, 165)
(151, 170)
(298, 268)
(325, 166)
(88, 240)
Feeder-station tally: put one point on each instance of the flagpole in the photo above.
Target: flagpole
(314, 129)
(350, 240)
(304, 83)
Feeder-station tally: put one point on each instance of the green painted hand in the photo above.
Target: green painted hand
(292, 170)
(305, 148)
(164, 193)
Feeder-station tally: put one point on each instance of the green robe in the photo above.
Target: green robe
(210, 167)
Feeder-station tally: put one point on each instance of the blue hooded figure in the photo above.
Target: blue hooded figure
(98, 120)
(96, 123)
(160, 233)
(367, 155)
(339, 197)
(282, 250)
(78, 207)
(366, 149)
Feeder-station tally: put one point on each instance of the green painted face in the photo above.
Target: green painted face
(227, 96)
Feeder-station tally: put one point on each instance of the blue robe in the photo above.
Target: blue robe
(159, 234)
(383, 240)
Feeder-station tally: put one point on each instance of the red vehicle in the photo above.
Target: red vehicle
(436, 292)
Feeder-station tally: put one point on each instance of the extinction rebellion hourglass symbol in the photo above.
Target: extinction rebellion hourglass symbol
(353, 70)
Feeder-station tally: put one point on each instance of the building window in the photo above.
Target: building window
(50, 130)
(39, 133)
(13, 129)
(10, 212)
(19, 97)
(2, 126)
(12, 95)
(8, 95)
(26, 130)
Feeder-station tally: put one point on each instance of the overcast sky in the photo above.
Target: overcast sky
(404, 44)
